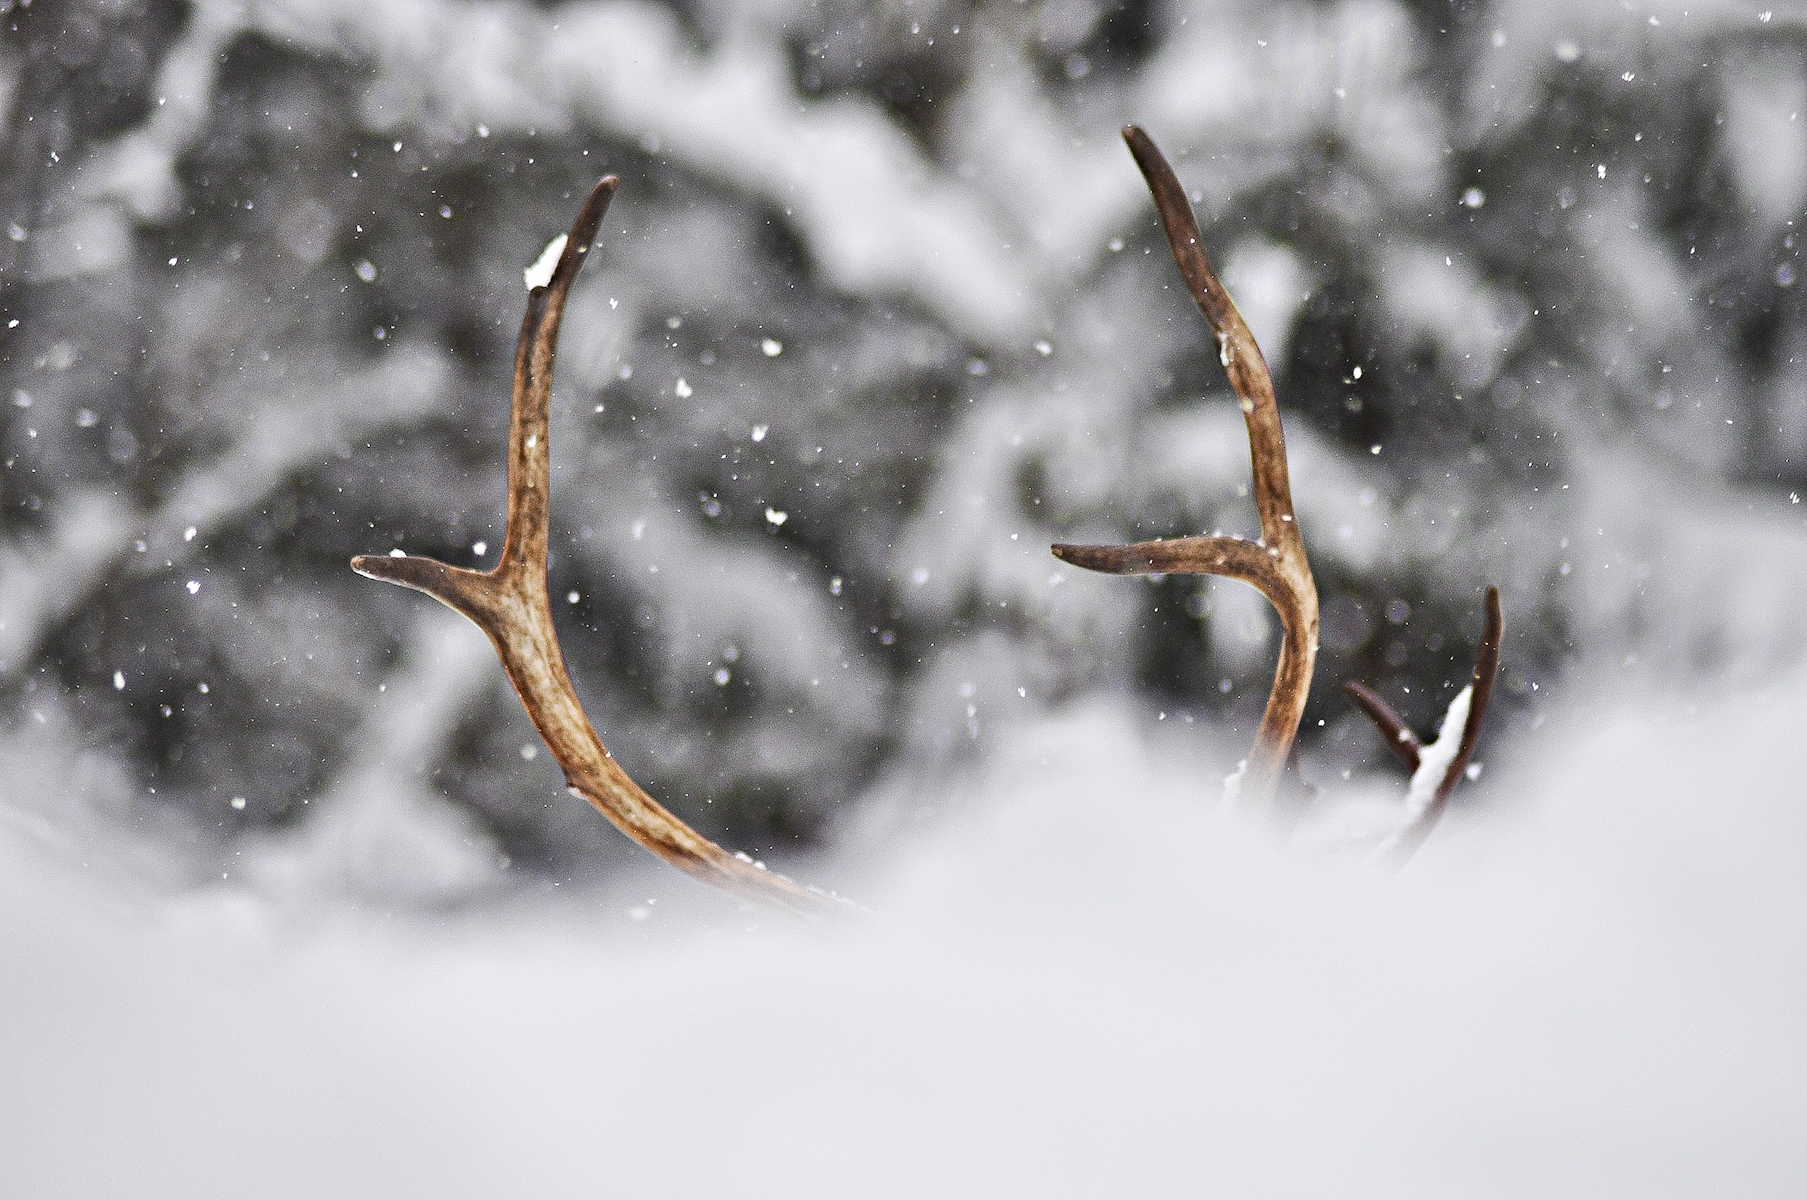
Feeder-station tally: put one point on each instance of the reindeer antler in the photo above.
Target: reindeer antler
(511, 605)
(1430, 791)
(1275, 565)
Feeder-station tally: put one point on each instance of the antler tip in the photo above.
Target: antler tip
(1092, 558)
(416, 571)
(1143, 149)
(583, 231)
(390, 568)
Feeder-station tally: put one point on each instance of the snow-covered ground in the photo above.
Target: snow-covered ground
(1590, 983)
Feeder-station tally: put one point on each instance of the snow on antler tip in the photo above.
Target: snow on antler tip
(540, 273)
(1438, 767)
(1434, 760)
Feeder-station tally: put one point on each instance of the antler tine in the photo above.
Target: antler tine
(510, 604)
(529, 422)
(1486, 667)
(1400, 738)
(1241, 357)
(1276, 565)
(1413, 753)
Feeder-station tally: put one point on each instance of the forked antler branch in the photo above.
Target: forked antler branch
(1432, 791)
(1275, 565)
(511, 605)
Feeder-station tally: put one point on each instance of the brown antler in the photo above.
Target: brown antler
(1275, 565)
(511, 605)
(1471, 704)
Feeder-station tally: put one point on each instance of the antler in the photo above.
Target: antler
(1430, 791)
(1275, 565)
(511, 605)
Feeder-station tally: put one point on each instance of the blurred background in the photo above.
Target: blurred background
(880, 311)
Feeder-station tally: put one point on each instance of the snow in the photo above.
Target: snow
(1232, 783)
(1434, 759)
(540, 273)
(1590, 984)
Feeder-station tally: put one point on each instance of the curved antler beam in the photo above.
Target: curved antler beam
(1276, 565)
(511, 605)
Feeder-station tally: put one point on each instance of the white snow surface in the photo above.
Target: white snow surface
(1081, 981)
(1434, 759)
(540, 273)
